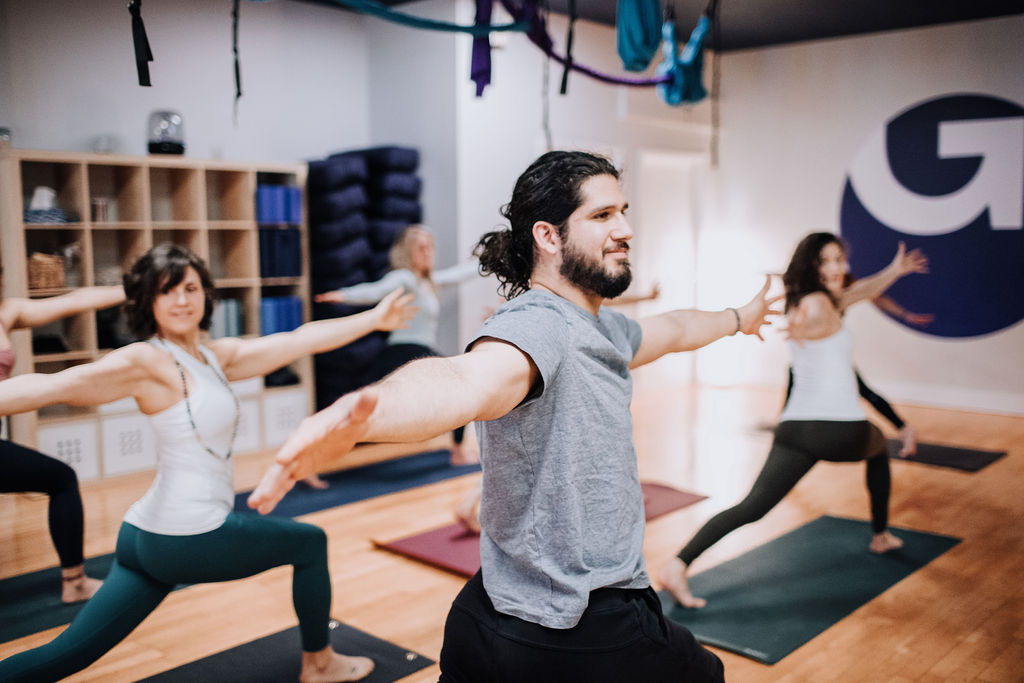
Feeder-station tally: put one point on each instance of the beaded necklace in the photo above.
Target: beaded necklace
(188, 408)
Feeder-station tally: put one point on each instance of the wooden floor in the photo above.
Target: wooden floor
(961, 618)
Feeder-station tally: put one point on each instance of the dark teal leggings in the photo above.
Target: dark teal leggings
(147, 568)
(798, 445)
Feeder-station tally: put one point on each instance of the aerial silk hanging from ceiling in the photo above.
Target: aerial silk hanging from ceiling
(637, 32)
(678, 77)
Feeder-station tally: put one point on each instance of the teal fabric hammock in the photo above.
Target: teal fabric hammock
(637, 32)
(684, 71)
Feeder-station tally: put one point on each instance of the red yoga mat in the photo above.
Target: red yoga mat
(453, 548)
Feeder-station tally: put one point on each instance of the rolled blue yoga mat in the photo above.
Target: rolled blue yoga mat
(769, 601)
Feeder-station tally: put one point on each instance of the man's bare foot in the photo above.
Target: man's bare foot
(314, 481)
(75, 586)
(673, 579)
(468, 512)
(327, 666)
(884, 542)
(909, 437)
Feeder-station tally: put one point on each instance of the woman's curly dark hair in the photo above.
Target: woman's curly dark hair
(157, 272)
(802, 275)
(549, 190)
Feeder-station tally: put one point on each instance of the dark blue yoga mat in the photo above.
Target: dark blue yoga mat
(368, 481)
(277, 657)
(964, 459)
(30, 603)
(771, 600)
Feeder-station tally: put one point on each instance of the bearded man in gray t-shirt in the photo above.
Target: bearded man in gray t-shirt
(563, 593)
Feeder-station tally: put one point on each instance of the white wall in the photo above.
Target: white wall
(67, 75)
(793, 118)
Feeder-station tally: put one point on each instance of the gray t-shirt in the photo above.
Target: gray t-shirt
(562, 511)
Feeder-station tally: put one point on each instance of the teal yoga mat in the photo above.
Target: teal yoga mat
(276, 658)
(769, 601)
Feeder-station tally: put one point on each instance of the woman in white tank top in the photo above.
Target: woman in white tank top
(823, 419)
(184, 389)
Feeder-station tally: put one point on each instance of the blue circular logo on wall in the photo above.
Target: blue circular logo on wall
(945, 176)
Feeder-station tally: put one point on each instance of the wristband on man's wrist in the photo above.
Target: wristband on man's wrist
(737, 314)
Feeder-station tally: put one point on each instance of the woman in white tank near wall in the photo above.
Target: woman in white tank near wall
(823, 419)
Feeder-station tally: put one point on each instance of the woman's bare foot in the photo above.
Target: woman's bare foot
(314, 481)
(327, 666)
(673, 579)
(884, 542)
(75, 586)
(468, 512)
(909, 437)
(465, 454)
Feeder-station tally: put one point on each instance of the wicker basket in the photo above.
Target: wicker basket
(45, 271)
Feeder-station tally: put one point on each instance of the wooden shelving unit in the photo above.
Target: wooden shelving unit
(116, 208)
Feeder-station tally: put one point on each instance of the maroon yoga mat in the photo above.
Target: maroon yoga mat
(453, 548)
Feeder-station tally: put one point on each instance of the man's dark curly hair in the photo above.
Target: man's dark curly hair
(802, 275)
(549, 190)
(157, 272)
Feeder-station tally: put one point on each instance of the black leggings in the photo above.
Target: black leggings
(395, 356)
(23, 470)
(798, 445)
(622, 636)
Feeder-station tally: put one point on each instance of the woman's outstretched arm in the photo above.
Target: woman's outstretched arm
(36, 312)
(904, 263)
(243, 358)
(120, 374)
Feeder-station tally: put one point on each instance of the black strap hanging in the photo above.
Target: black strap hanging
(568, 48)
(234, 50)
(143, 55)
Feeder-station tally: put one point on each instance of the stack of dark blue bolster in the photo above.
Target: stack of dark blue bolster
(359, 201)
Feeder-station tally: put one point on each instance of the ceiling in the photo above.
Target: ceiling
(759, 23)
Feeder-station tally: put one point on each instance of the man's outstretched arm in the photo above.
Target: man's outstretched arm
(687, 330)
(418, 401)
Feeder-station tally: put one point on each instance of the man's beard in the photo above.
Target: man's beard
(591, 275)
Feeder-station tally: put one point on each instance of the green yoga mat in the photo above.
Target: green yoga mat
(771, 600)
(277, 658)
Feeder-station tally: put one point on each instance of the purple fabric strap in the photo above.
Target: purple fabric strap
(526, 10)
(480, 68)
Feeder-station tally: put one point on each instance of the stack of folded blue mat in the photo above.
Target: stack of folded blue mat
(278, 213)
(359, 201)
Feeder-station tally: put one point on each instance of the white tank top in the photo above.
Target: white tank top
(824, 384)
(194, 490)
